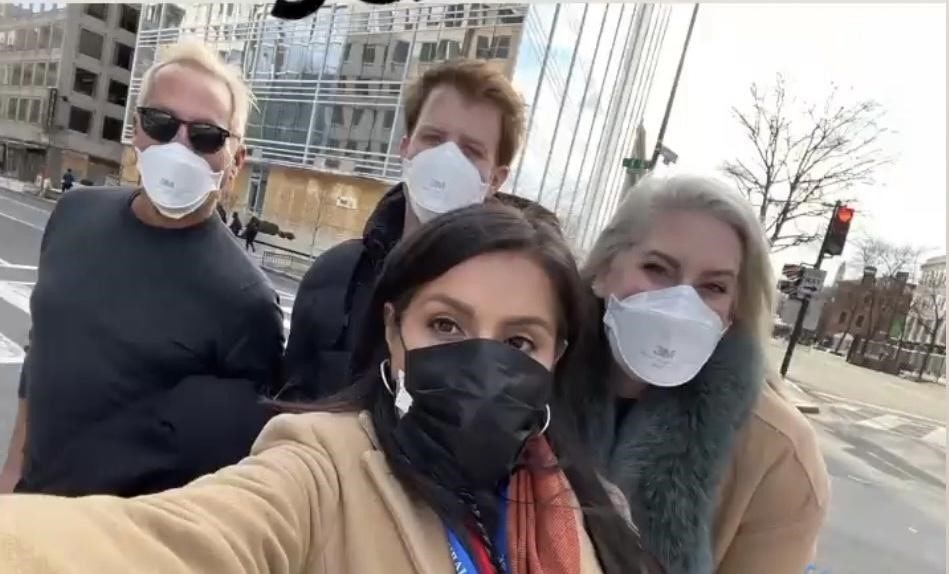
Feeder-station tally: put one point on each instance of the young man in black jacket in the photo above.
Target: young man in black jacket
(464, 124)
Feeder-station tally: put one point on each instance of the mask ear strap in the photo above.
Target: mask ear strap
(546, 422)
(384, 373)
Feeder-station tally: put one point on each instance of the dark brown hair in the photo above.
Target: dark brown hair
(476, 80)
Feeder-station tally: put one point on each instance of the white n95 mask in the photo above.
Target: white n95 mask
(176, 180)
(441, 179)
(662, 337)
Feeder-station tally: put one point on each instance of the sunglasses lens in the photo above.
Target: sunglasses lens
(206, 138)
(159, 125)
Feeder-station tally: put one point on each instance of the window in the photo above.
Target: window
(39, 74)
(859, 322)
(456, 12)
(388, 118)
(401, 53)
(90, 44)
(11, 109)
(334, 144)
(85, 82)
(337, 116)
(45, 37)
(346, 50)
(15, 72)
(118, 93)
(369, 54)
(79, 119)
(428, 52)
(509, 16)
(52, 74)
(35, 108)
(23, 111)
(128, 18)
(98, 11)
(20, 41)
(448, 49)
(57, 41)
(483, 50)
(362, 88)
(27, 75)
(357, 116)
(842, 317)
(501, 47)
(32, 35)
(3, 78)
(122, 56)
(111, 129)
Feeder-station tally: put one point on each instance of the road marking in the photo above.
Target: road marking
(937, 437)
(830, 397)
(10, 352)
(16, 294)
(8, 265)
(18, 220)
(883, 422)
(26, 205)
(859, 480)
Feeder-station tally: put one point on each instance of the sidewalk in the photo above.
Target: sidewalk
(821, 372)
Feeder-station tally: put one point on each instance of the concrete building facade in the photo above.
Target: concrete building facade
(324, 138)
(928, 312)
(65, 71)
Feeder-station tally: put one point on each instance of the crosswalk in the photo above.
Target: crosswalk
(16, 294)
(871, 418)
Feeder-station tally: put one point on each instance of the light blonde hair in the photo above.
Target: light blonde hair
(754, 302)
(196, 54)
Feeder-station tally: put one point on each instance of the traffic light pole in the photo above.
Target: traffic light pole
(805, 303)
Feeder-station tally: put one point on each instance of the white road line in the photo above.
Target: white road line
(26, 205)
(936, 437)
(8, 265)
(830, 397)
(884, 422)
(10, 352)
(16, 294)
(18, 220)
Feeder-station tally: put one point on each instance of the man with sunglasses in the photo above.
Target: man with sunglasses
(153, 333)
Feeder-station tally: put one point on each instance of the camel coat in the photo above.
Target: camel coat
(316, 495)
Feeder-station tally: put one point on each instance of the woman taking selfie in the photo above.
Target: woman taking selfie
(722, 473)
(442, 458)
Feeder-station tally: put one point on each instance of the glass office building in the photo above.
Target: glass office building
(330, 88)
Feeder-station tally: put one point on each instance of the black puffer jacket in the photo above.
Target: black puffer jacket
(334, 295)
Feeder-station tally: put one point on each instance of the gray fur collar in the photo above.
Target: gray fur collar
(670, 450)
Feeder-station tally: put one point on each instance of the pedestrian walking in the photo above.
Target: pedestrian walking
(153, 336)
(723, 474)
(465, 122)
(236, 225)
(250, 233)
(68, 180)
(447, 448)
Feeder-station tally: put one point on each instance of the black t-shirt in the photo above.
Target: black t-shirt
(122, 312)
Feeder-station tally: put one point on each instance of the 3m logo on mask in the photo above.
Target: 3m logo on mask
(437, 184)
(167, 182)
(664, 352)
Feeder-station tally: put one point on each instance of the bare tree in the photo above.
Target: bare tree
(800, 162)
(888, 258)
(929, 310)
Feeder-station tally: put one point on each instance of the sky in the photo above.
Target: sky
(894, 54)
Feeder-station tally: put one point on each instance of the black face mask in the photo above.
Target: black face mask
(475, 404)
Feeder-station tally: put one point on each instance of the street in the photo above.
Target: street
(883, 438)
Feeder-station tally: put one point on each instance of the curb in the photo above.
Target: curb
(283, 274)
(800, 398)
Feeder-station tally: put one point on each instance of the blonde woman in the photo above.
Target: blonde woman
(722, 473)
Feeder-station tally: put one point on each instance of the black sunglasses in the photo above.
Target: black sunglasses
(162, 126)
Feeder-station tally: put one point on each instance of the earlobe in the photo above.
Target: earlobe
(499, 176)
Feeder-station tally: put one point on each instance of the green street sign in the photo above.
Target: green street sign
(634, 163)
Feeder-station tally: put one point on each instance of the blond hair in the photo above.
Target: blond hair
(754, 302)
(196, 54)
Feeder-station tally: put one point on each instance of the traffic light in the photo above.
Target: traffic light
(837, 230)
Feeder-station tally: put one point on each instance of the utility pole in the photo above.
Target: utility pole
(672, 95)
(832, 244)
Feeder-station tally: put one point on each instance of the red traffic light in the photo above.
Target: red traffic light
(844, 214)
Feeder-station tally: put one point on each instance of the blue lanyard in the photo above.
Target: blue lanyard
(459, 555)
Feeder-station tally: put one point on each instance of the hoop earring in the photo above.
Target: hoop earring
(383, 372)
(546, 422)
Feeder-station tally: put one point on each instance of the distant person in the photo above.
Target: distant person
(464, 124)
(68, 180)
(250, 233)
(236, 225)
(723, 474)
(154, 380)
